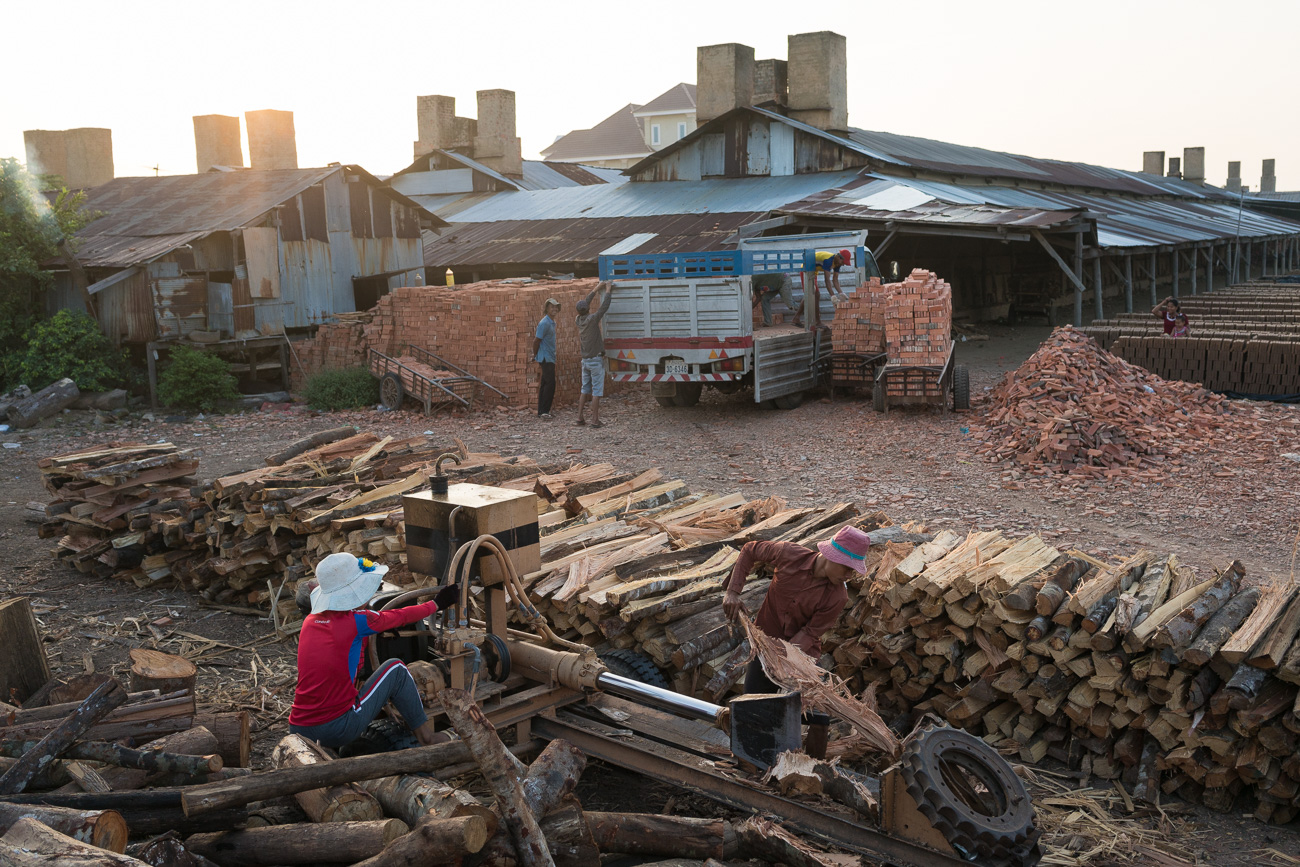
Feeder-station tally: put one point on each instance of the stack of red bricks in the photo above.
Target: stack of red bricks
(918, 319)
(486, 328)
(859, 323)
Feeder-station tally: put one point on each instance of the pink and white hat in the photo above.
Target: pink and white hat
(848, 548)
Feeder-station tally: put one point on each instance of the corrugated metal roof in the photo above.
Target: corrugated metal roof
(541, 175)
(575, 240)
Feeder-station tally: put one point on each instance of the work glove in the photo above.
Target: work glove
(447, 597)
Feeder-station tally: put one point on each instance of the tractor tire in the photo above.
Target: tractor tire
(878, 397)
(960, 387)
(970, 794)
(381, 736)
(688, 393)
(391, 392)
(636, 666)
(789, 401)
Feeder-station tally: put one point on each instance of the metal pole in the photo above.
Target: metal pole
(1155, 300)
(1209, 268)
(1128, 284)
(657, 697)
(1250, 255)
(1096, 285)
(1176, 264)
(1078, 279)
(1196, 266)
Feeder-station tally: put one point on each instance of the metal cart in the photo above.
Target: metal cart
(397, 381)
(848, 369)
(922, 385)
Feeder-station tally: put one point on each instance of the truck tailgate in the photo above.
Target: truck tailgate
(678, 308)
(783, 363)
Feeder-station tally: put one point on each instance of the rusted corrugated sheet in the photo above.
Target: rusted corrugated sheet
(181, 304)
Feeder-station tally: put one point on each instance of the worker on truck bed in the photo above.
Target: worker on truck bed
(829, 265)
(327, 707)
(804, 600)
(764, 286)
(592, 343)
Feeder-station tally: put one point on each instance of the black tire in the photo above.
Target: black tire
(668, 402)
(688, 393)
(970, 794)
(878, 396)
(767, 404)
(789, 401)
(637, 666)
(381, 736)
(391, 391)
(960, 387)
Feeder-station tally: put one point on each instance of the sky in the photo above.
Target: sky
(1097, 82)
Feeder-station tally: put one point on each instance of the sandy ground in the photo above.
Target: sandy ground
(916, 465)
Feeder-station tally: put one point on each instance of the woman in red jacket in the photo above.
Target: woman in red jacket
(327, 707)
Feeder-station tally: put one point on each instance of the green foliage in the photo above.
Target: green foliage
(349, 388)
(195, 380)
(30, 229)
(71, 344)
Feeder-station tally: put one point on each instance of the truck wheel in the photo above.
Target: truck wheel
(391, 391)
(665, 401)
(635, 666)
(688, 393)
(878, 397)
(767, 404)
(960, 387)
(789, 401)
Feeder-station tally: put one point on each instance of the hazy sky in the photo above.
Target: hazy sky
(1098, 82)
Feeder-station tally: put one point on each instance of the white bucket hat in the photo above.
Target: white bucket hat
(346, 582)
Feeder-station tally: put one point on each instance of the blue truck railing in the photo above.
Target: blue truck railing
(724, 263)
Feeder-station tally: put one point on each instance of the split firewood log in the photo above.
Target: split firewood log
(346, 802)
(29, 843)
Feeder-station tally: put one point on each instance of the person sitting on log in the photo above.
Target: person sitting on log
(327, 706)
(804, 600)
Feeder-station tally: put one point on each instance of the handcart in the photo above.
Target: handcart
(430, 379)
(922, 385)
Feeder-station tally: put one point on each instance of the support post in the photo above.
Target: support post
(1155, 299)
(1176, 265)
(1250, 255)
(1209, 268)
(1065, 269)
(150, 357)
(1078, 280)
(1098, 301)
(1196, 266)
(880, 248)
(1128, 284)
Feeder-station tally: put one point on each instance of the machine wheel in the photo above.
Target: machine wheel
(960, 387)
(688, 393)
(496, 656)
(381, 736)
(789, 401)
(969, 793)
(878, 397)
(637, 666)
(391, 391)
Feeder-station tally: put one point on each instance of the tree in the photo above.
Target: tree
(31, 227)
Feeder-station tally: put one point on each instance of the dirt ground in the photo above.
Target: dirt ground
(916, 465)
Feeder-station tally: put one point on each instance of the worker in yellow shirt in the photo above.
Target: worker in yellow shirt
(829, 265)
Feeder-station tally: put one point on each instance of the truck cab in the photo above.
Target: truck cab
(683, 321)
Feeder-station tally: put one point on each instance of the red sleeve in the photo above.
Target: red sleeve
(751, 553)
(381, 621)
(809, 639)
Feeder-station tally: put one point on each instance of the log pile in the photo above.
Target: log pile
(1074, 408)
(1136, 670)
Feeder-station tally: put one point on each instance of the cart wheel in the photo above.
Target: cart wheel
(960, 387)
(789, 401)
(688, 393)
(391, 391)
(878, 397)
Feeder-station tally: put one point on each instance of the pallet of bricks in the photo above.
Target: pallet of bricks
(918, 331)
(858, 330)
(1137, 670)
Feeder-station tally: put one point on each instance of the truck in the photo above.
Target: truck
(684, 321)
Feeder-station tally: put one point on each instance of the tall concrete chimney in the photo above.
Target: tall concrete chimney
(1194, 165)
(1268, 182)
(1175, 167)
(271, 141)
(771, 83)
(80, 158)
(1234, 177)
(819, 79)
(435, 118)
(724, 79)
(1153, 162)
(216, 141)
(495, 144)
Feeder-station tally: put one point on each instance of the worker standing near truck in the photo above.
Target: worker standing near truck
(592, 343)
(544, 355)
(829, 265)
(805, 600)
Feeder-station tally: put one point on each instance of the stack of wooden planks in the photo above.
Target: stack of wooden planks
(1137, 670)
(1074, 408)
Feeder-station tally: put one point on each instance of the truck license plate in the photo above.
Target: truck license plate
(676, 367)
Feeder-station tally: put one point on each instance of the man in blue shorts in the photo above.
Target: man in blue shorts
(592, 343)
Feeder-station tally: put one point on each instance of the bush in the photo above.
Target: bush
(195, 380)
(349, 388)
(71, 344)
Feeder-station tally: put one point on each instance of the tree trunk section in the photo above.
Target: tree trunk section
(1057, 587)
(308, 443)
(1219, 628)
(168, 850)
(100, 702)
(433, 842)
(1181, 629)
(44, 403)
(498, 766)
(234, 740)
(662, 836)
(151, 669)
(568, 839)
(24, 669)
(346, 802)
(552, 776)
(103, 828)
(302, 843)
(411, 799)
(29, 842)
